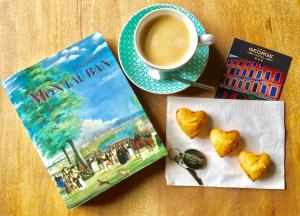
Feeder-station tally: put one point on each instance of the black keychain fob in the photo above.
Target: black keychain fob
(190, 160)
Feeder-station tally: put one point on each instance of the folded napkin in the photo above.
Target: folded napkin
(261, 126)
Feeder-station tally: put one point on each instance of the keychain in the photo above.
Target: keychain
(190, 160)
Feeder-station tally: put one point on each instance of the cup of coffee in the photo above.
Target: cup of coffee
(166, 39)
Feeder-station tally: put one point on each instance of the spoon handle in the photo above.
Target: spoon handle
(195, 84)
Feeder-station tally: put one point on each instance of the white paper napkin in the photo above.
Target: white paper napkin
(261, 126)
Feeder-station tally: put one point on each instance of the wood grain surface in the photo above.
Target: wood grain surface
(31, 30)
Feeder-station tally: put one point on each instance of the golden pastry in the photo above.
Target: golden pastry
(191, 122)
(254, 165)
(224, 141)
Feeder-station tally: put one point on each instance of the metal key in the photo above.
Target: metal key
(190, 160)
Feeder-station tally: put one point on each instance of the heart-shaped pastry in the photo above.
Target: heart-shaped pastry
(191, 122)
(254, 165)
(224, 141)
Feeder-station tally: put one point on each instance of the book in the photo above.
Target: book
(253, 72)
(84, 119)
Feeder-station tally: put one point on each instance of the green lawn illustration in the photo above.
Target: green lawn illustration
(112, 175)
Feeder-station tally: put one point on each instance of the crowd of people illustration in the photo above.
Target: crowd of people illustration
(70, 179)
(73, 179)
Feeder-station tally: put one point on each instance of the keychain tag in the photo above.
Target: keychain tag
(190, 160)
(194, 159)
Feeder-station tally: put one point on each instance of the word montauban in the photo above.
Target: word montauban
(42, 95)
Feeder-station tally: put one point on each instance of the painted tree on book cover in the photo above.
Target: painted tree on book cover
(53, 124)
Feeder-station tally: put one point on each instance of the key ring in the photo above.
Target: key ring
(190, 160)
(175, 154)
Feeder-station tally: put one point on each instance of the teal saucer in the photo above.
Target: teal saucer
(136, 70)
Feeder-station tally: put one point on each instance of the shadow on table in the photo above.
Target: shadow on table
(211, 74)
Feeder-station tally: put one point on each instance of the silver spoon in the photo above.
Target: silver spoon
(158, 75)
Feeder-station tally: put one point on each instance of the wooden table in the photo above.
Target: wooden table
(32, 30)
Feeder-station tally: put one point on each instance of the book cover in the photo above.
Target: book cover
(84, 119)
(253, 72)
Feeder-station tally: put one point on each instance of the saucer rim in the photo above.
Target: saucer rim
(141, 87)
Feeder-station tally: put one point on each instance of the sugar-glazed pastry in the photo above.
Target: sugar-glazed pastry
(191, 122)
(254, 165)
(224, 141)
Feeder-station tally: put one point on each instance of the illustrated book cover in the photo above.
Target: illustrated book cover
(84, 119)
(253, 72)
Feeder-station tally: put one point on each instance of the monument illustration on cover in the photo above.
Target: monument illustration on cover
(84, 119)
